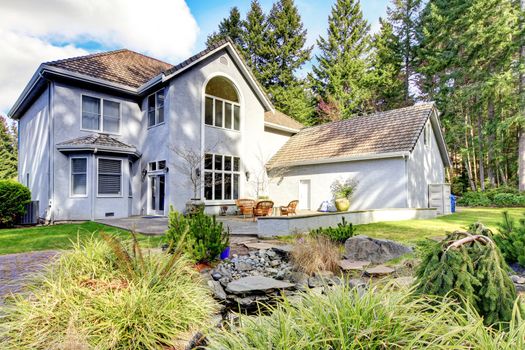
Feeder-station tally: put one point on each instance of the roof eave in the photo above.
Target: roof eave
(434, 119)
(35, 79)
(281, 127)
(98, 148)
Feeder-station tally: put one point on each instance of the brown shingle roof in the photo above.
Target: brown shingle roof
(385, 132)
(121, 66)
(282, 119)
(96, 140)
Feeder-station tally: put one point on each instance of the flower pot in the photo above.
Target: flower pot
(342, 204)
(194, 206)
(225, 254)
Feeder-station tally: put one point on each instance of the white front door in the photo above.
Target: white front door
(156, 194)
(304, 194)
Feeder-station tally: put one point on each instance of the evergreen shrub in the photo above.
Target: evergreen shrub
(200, 236)
(474, 199)
(13, 200)
(511, 240)
(340, 234)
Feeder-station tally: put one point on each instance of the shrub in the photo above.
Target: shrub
(509, 200)
(492, 192)
(381, 318)
(511, 240)
(102, 295)
(341, 233)
(470, 268)
(13, 200)
(314, 254)
(474, 199)
(201, 236)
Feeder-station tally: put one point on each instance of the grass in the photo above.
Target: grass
(413, 230)
(20, 240)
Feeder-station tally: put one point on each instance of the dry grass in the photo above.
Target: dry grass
(314, 254)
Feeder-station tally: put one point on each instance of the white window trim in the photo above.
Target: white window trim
(71, 194)
(213, 171)
(101, 123)
(223, 113)
(156, 109)
(99, 195)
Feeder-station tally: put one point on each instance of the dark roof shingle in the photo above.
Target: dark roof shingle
(120, 66)
(385, 132)
(96, 140)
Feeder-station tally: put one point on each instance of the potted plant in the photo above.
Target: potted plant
(342, 192)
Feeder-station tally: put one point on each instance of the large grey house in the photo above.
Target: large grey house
(102, 136)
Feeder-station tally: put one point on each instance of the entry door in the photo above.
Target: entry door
(157, 194)
(304, 194)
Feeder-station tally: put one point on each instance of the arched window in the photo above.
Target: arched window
(221, 106)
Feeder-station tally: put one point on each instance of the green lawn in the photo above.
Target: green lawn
(413, 230)
(20, 240)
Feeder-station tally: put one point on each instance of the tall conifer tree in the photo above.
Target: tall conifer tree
(8, 150)
(231, 27)
(341, 73)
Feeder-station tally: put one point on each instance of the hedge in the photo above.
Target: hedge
(13, 200)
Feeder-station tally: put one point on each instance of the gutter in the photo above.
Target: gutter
(368, 156)
(97, 149)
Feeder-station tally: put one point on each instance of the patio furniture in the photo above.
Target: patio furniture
(262, 208)
(245, 206)
(290, 208)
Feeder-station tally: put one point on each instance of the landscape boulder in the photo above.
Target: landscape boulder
(377, 251)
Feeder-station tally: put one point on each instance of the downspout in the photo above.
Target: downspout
(50, 216)
(94, 170)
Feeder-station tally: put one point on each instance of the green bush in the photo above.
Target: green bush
(13, 200)
(511, 240)
(509, 200)
(492, 192)
(474, 199)
(201, 236)
(102, 295)
(469, 266)
(381, 318)
(341, 233)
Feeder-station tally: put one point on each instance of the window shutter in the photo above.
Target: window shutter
(109, 176)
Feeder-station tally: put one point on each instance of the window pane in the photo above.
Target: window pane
(90, 113)
(109, 166)
(227, 163)
(208, 161)
(151, 110)
(235, 186)
(218, 113)
(79, 186)
(218, 162)
(160, 106)
(236, 164)
(151, 118)
(227, 186)
(228, 115)
(162, 189)
(130, 182)
(153, 166)
(218, 186)
(78, 165)
(111, 116)
(237, 117)
(160, 113)
(208, 111)
(208, 183)
(162, 164)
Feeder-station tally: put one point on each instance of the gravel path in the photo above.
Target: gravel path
(17, 269)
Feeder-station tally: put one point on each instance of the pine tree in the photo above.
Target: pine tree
(404, 15)
(387, 83)
(254, 37)
(229, 27)
(8, 150)
(341, 73)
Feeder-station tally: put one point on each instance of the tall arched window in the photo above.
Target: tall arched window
(221, 107)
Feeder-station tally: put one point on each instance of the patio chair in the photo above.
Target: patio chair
(262, 208)
(290, 208)
(245, 206)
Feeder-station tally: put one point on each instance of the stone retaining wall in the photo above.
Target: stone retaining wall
(271, 226)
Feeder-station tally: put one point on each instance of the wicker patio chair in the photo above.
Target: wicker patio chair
(245, 206)
(262, 208)
(290, 208)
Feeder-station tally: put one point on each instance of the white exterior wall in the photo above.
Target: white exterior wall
(425, 166)
(33, 149)
(381, 183)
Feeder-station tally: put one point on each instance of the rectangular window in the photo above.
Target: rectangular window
(109, 177)
(221, 177)
(130, 182)
(161, 164)
(152, 166)
(100, 115)
(218, 113)
(208, 111)
(236, 118)
(221, 113)
(79, 176)
(227, 115)
(156, 108)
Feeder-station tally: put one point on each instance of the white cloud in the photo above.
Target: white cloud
(35, 31)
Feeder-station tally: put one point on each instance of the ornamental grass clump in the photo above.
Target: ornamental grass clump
(313, 254)
(470, 268)
(108, 295)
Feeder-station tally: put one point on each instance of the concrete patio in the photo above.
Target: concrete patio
(157, 225)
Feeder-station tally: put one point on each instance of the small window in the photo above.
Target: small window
(78, 176)
(153, 166)
(156, 108)
(208, 161)
(91, 112)
(100, 115)
(111, 116)
(109, 177)
(427, 135)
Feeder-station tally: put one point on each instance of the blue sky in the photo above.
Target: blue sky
(36, 31)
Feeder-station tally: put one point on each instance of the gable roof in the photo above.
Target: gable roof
(379, 135)
(97, 142)
(123, 66)
(279, 120)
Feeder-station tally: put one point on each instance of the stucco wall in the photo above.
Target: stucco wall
(381, 183)
(33, 151)
(425, 166)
